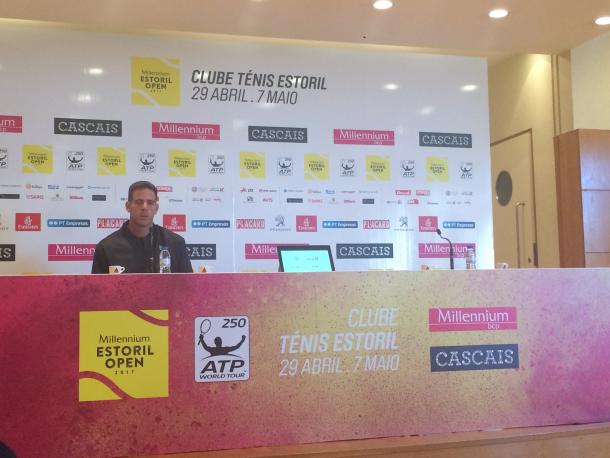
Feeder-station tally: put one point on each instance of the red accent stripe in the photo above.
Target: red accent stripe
(106, 381)
(149, 318)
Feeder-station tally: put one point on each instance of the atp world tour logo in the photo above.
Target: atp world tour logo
(222, 349)
(148, 163)
(284, 166)
(75, 161)
(3, 158)
(216, 164)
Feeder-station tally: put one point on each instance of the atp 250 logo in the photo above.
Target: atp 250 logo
(222, 349)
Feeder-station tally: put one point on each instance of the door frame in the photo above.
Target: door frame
(529, 132)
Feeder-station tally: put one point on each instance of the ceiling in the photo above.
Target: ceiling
(455, 26)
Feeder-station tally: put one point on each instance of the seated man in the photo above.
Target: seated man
(134, 248)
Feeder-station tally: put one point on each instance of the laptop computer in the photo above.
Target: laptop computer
(305, 258)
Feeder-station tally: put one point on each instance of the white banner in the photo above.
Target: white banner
(251, 145)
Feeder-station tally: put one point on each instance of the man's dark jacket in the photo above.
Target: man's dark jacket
(140, 255)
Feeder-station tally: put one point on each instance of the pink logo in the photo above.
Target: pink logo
(402, 192)
(186, 131)
(441, 250)
(307, 223)
(11, 124)
(472, 319)
(165, 188)
(70, 252)
(264, 250)
(176, 223)
(413, 202)
(110, 223)
(27, 222)
(363, 137)
(376, 224)
(422, 192)
(428, 223)
(250, 223)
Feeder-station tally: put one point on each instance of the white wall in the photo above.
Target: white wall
(591, 83)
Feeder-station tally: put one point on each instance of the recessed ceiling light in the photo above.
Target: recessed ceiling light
(603, 20)
(427, 110)
(469, 87)
(83, 97)
(94, 71)
(382, 4)
(390, 86)
(498, 13)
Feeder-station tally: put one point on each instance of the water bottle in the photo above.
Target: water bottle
(471, 260)
(165, 261)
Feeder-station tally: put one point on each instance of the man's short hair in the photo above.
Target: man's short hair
(141, 185)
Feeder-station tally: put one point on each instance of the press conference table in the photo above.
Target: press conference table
(324, 364)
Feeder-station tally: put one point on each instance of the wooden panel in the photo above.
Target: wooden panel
(569, 204)
(597, 259)
(595, 158)
(592, 441)
(596, 220)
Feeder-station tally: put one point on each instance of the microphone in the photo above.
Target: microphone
(438, 231)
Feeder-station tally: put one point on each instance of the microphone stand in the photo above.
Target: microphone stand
(438, 231)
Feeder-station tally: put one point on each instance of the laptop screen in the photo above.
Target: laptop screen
(307, 258)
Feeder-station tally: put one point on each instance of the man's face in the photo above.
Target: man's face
(142, 207)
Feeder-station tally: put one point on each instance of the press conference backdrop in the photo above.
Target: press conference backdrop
(252, 144)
